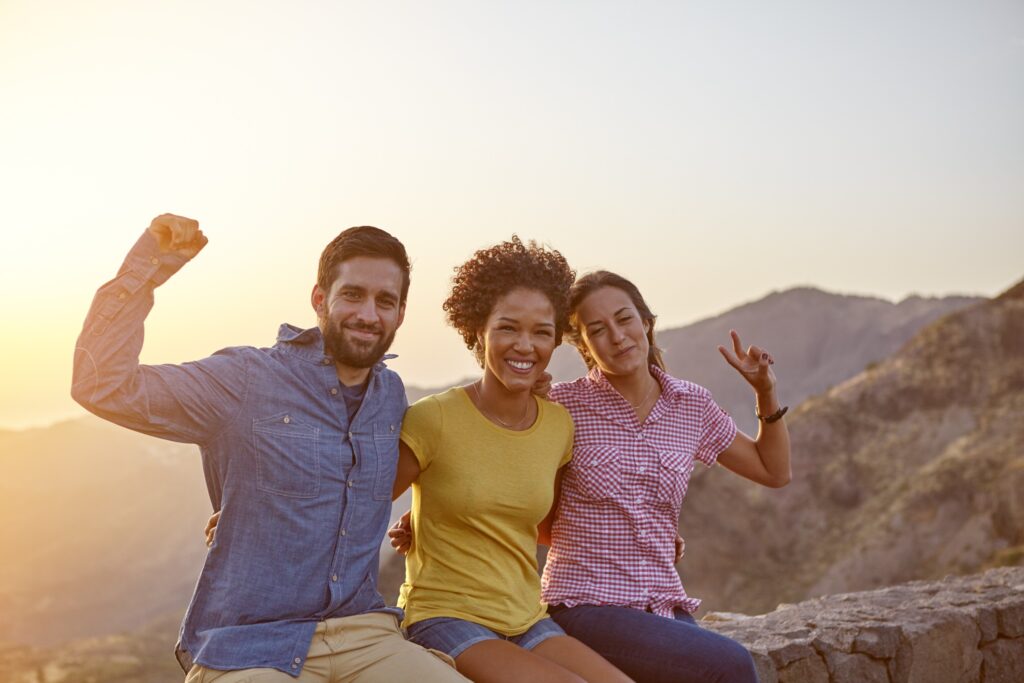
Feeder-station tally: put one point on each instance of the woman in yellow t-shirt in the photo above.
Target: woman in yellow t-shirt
(484, 461)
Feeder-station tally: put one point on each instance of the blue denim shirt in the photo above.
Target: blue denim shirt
(305, 496)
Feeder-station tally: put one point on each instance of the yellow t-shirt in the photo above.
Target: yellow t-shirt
(481, 493)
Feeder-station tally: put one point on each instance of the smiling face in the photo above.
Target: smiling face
(613, 331)
(361, 312)
(518, 338)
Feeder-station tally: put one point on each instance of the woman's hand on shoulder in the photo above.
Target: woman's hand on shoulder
(542, 387)
(754, 364)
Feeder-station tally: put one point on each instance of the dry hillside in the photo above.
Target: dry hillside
(910, 470)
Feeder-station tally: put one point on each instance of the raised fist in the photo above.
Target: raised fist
(178, 235)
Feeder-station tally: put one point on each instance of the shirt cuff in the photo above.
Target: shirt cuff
(145, 263)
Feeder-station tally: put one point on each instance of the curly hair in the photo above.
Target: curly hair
(494, 272)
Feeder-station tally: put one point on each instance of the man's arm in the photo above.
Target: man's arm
(188, 402)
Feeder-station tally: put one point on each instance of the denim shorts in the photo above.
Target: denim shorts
(452, 636)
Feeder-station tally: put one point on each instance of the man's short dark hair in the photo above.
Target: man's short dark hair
(364, 240)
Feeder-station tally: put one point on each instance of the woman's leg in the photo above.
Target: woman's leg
(568, 661)
(573, 655)
(653, 649)
(543, 654)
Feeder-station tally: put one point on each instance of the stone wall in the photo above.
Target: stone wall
(962, 629)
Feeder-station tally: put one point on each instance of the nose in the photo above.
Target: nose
(367, 310)
(524, 343)
(615, 332)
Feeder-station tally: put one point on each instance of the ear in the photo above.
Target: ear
(317, 298)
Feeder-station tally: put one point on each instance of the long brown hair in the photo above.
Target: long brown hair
(590, 283)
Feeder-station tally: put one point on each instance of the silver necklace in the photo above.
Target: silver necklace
(506, 425)
(636, 406)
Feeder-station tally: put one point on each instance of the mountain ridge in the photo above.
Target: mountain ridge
(909, 470)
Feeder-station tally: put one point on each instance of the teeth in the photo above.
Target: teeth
(520, 365)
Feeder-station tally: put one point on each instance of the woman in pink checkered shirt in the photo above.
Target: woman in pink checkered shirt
(610, 578)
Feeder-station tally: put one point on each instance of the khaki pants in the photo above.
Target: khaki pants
(365, 648)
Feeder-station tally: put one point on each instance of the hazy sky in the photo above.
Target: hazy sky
(711, 151)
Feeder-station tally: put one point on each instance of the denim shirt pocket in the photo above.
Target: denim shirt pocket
(385, 444)
(595, 472)
(287, 457)
(674, 472)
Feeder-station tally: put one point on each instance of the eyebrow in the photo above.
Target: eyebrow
(614, 315)
(362, 290)
(514, 320)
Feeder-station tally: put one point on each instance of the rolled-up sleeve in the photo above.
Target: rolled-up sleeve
(190, 402)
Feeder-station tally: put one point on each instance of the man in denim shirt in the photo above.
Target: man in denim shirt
(299, 445)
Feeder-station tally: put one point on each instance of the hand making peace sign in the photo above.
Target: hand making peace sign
(754, 364)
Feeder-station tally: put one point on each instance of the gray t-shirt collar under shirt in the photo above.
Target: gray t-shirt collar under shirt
(353, 396)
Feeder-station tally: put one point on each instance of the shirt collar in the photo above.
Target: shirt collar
(670, 386)
(309, 345)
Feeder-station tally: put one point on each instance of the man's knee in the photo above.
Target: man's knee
(410, 662)
(200, 674)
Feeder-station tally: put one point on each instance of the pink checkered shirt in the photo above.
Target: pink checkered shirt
(613, 542)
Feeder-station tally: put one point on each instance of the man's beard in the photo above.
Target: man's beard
(355, 354)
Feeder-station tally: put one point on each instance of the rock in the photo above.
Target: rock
(1003, 661)
(807, 670)
(944, 647)
(725, 616)
(988, 624)
(880, 641)
(844, 667)
(958, 630)
(766, 671)
(791, 652)
(1010, 616)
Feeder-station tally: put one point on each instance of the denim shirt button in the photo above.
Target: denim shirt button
(350, 483)
(334, 391)
(342, 532)
(334, 577)
(287, 419)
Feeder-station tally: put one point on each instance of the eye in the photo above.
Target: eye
(350, 296)
(386, 303)
(625, 319)
(595, 331)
